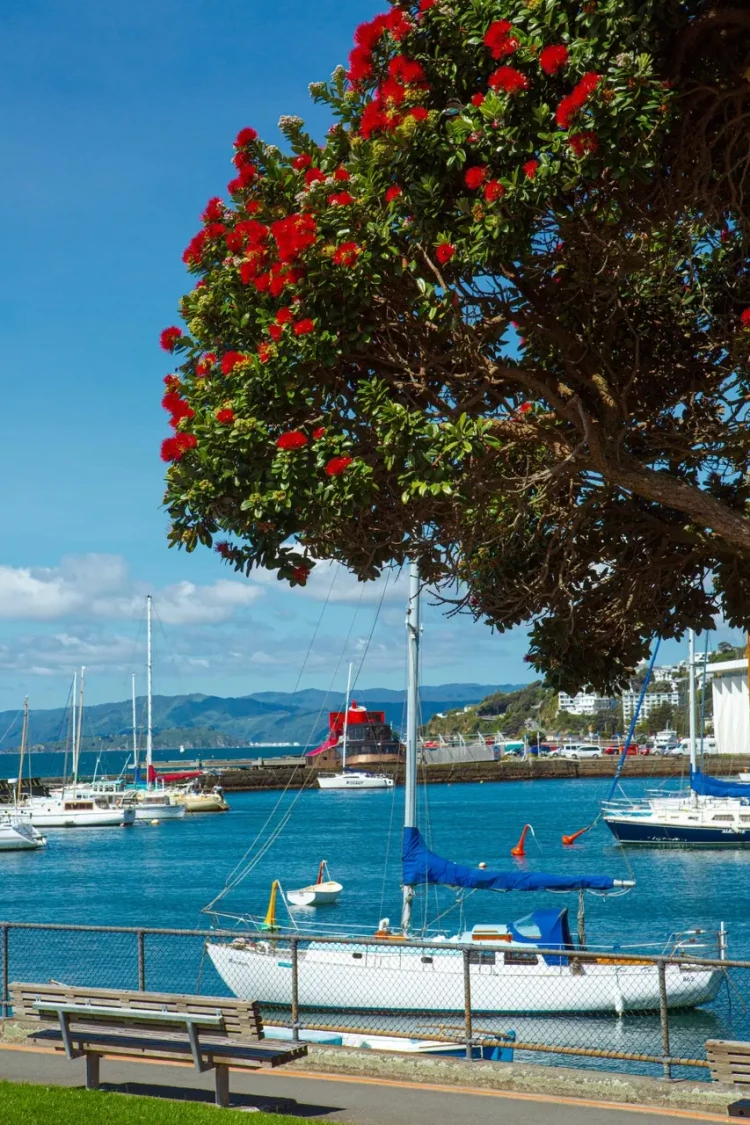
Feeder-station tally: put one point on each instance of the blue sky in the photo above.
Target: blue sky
(117, 127)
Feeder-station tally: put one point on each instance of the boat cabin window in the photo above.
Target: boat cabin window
(528, 928)
(518, 957)
(745, 818)
(78, 806)
(426, 960)
(357, 956)
(481, 957)
(722, 816)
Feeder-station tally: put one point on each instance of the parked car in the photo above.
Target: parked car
(580, 751)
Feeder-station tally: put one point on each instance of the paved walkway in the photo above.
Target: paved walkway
(349, 1100)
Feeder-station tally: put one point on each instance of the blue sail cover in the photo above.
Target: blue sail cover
(706, 786)
(421, 866)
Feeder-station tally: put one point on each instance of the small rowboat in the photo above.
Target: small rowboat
(324, 892)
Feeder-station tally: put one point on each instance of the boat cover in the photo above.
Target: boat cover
(421, 866)
(547, 929)
(706, 786)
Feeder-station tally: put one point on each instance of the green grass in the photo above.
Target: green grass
(55, 1105)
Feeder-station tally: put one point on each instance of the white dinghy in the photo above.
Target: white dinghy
(323, 892)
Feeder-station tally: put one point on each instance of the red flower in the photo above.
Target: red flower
(302, 327)
(509, 79)
(444, 252)
(265, 351)
(313, 176)
(172, 448)
(499, 41)
(552, 58)
(360, 65)
(318, 433)
(172, 382)
(346, 254)
(493, 190)
(392, 193)
(245, 136)
(524, 408)
(230, 361)
(223, 548)
(301, 574)
(477, 99)
(745, 318)
(293, 235)
(284, 316)
(530, 168)
(169, 338)
(398, 24)
(214, 210)
(368, 34)
(475, 177)
(225, 415)
(337, 465)
(341, 175)
(406, 70)
(276, 331)
(304, 160)
(583, 143)
(574, 101)
(340, 199)
(419, 113)
(292, 439)
(215, 230)
(425, 5)
(203, 366)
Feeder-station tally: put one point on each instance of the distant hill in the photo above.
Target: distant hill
(204, 721)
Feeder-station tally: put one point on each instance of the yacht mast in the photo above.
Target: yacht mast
(72, 730)
(346, 718)
(691, 707)
(77, 745)
(412, 709)
(149, 739)
(24, 736)
(135, 730)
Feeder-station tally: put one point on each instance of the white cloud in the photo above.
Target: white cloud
(333, 582)
(100, 587)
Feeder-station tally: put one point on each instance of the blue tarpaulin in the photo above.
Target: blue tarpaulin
(421, 866)
(547, 929)
(706, 786)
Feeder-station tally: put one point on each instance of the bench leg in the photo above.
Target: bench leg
(92, 1070)
(221, 1073)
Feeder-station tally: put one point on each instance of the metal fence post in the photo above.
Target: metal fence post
(141, 961)
(664, 1012)
(467, 1004)
(5, 971)
(294, 945)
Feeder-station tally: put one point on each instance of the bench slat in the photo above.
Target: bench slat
(86, 1011)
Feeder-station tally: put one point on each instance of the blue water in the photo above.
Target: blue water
(53, 763)
(162, 875)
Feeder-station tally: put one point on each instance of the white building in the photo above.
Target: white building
(651, 700)
(585, 703)
(731, 712)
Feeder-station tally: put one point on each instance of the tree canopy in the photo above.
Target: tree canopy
(498, 322)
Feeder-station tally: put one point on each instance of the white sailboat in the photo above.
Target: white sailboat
(529, 966)
(352, 779)
(75, 806)
(17, 833)
(153, 802)
(323, 892)
(712, 813)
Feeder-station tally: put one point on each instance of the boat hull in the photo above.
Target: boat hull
(356, 781)
(371, 979)
(653, 833)
(201, 802)
(20, 838)
(164, 811)
(97, 818)
(318, 894)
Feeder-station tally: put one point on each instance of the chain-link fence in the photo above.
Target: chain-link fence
(559, 1006)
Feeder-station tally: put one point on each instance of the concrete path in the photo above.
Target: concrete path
(340, 1098)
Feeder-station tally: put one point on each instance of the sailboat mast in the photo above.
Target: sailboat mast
(692, 704)
(346, 718)
(149, 737)
(412, 710)
(77, 746)
(24, 736)
(135, 729)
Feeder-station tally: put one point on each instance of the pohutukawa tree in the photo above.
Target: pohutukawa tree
(500, 322)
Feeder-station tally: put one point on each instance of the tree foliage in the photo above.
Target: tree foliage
(498, 322)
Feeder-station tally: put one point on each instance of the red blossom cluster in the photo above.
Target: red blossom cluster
(499, 40)
(553, 58)
(304, 160)
(340, 199)
(444, 251)
(173, 448)
(292, 439)
(225, 415)
(342, 175)
(477, 99)
(393, 192)
(177, 407)
(509, 79)
(337, 465)
(304, 327)
(243, 179)
(265, 351)
(245, 136)
(313, 176)
(213, 211)
(530, 169)
(745, 318)
(368, 35)
(224, 549)
(169, 337)
(576, 100)
(583, 143)
(231, 360)
(293, 235)
(493, 190)
(406, 70)
(204, 365)
(475, 177)
(346, 254)
(318, 433)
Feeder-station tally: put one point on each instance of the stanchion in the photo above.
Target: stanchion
(294, 949)
(141, 961)
(664, 1013)
(4, 972)
(467, 1005)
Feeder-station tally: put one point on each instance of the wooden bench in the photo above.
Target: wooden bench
(214, 1032)
(730, 1063)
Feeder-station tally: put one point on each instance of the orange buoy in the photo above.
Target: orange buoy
(519, 849)
(568, 840)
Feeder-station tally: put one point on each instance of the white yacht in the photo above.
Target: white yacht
(348, 778)
(18, 834)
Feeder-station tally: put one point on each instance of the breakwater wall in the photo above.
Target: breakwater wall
(293, 773)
